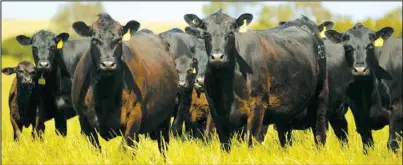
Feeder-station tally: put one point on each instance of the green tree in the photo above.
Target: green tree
(10, 46)
(71, 12)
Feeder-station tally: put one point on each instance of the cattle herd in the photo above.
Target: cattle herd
(212, 77)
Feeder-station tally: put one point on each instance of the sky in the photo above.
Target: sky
(174, 11)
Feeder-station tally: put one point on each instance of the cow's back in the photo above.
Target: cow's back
(73, 50)
(287, 67)
(390, 58)
(154, 73)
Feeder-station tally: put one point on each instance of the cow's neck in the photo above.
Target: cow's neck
(361, 91)
(109, 86)
(24, 96)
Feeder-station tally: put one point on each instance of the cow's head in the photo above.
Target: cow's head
(359, 49)
(201, 56)
(44, 47)
(106, 40)
(26, 73)
(186, 69)
(218, 32)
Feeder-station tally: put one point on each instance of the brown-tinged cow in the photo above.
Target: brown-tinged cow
(123, 87)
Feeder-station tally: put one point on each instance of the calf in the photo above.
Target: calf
(56, 59)
(123, 87)
(252, 78)
(23, 96)
(363, 94)
(181, 47)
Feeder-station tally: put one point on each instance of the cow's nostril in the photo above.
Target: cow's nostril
(222, 56)
(355, 70)
(212, 57)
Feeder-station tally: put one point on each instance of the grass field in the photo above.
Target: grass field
(74, 149)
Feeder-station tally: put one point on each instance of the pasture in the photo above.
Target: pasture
(74, 149)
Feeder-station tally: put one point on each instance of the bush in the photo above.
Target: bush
(11, 47)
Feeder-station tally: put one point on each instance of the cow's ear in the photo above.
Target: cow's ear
(9, 70)
(246, 16)
(133, 26)
(327, 25)
(193, 32)
(24, 40)
(193, 21)
(281, 23)
(81, 29)
(385, 33)
(336, 37)
(243, 66)
(381, 73)
(62, 37)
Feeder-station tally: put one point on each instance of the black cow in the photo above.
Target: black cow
(262, 77)
(23, 98)
(55, 58)
(123, 87)
(363, 94)
(182, 50)
(336, 67)
(202, 58)
(390, 58)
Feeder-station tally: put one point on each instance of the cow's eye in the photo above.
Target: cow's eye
(348, 48)
(20, 71)
(190, 71)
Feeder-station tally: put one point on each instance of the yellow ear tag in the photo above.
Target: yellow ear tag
(194, 71)
(42, 80)
(322, 33)
(378, 42)
(244, 27)
(60, 44)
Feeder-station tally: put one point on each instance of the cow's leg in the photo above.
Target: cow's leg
(255, 123)
(396, 126)
(133, 127)
(89, 131)
(363, 129)
(264, 131)
(39, 128)
(339, 125)
(282, 132)
(321, 105)
(162, 137)
(17, 128)
(61, 123)
(178, 119)
(209, 126)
